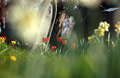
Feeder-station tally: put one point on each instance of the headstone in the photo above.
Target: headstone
(30, 24)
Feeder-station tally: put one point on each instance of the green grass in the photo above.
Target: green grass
(88, 60)
(97, 58)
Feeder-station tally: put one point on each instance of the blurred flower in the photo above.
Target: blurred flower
(59, 39)
(13, 58)
(73, 46)
(13, 42)
(2, 39)
(104, 25)
(117, 27)
(45, 39)
(91, 37)
(64, 42)
(53, 47)
(99, 32)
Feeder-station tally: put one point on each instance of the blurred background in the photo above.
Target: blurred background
(84, 15)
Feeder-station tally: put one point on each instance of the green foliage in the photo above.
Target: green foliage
(88, 60)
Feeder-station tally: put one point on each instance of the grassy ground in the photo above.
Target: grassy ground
(97, 58)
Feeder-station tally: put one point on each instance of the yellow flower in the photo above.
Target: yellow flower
(104, 25)
(13, 58)
(100, 32)
(117, 27)
(1, 40)
(13, 42)
(91, 37)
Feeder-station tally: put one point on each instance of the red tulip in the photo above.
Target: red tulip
(73, 46)
(64, 42)
(59, 39)
(53, 47)
(45, 39)
(4, 38)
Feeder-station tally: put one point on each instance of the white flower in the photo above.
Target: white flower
(104, 25)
